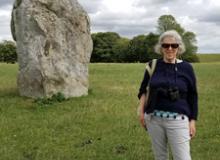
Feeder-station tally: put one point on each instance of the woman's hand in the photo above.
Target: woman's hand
(192, 128)
(142, 120)
(141, 111)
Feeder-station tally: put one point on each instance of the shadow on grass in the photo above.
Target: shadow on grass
(11, 95)
(13, 92)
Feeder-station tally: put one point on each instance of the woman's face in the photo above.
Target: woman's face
(169, 49)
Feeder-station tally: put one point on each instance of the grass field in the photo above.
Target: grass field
(102, 125)
(209, 58)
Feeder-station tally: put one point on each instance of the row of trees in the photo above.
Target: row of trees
(110, 47)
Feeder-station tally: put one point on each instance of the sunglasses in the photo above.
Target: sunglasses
(172, 45)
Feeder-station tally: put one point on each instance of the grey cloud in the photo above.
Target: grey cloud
(6, 2)
(155, 3)
(197, 10)
(211, 15)
(124, 31)
(91, 6)
(4, 20)
(5, 28)
(207, 36)
(126, 28)
(127, 25)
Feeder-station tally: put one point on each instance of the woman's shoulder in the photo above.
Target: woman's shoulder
(186, 65)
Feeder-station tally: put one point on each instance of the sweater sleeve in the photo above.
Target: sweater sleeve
(142, 89)
(193, 95)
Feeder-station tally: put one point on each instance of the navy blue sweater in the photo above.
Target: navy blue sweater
(168, 75)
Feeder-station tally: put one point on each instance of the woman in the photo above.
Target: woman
(172, 107)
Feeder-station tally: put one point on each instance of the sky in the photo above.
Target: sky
(130, 18)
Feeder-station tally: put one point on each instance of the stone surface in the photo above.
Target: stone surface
(54, 46)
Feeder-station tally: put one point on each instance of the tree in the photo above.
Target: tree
(141, 48)
(150, 41)
(137, 50)
(8, 52)
(103, 44)
(189, 39)
(168, 22)
(120, 49)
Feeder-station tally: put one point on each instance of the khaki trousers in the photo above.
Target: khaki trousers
(164, 131)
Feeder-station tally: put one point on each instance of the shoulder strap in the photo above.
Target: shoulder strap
(151, 68)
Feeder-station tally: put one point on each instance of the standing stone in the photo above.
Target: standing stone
(54, 46)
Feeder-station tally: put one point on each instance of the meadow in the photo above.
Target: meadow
(101, 126)
(209, 58)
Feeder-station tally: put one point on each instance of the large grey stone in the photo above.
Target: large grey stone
(54, 46)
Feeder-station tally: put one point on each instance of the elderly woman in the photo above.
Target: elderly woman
(171, 110)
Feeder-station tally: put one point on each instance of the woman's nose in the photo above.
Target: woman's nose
(170, 48)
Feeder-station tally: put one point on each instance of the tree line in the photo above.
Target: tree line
(111, 47)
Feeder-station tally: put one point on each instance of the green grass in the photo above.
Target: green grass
(102, 125)
(209, 58)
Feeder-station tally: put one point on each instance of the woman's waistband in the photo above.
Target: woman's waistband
(168, 115)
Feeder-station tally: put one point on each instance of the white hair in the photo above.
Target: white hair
(174, 34)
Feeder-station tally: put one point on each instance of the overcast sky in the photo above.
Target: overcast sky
(130, 18)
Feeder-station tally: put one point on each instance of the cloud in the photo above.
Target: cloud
(92, 7)
(6, 2)
(5, 16)
(128, 20)
(154, 3)
(211, 15)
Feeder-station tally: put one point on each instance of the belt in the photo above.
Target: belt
(168, 115)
